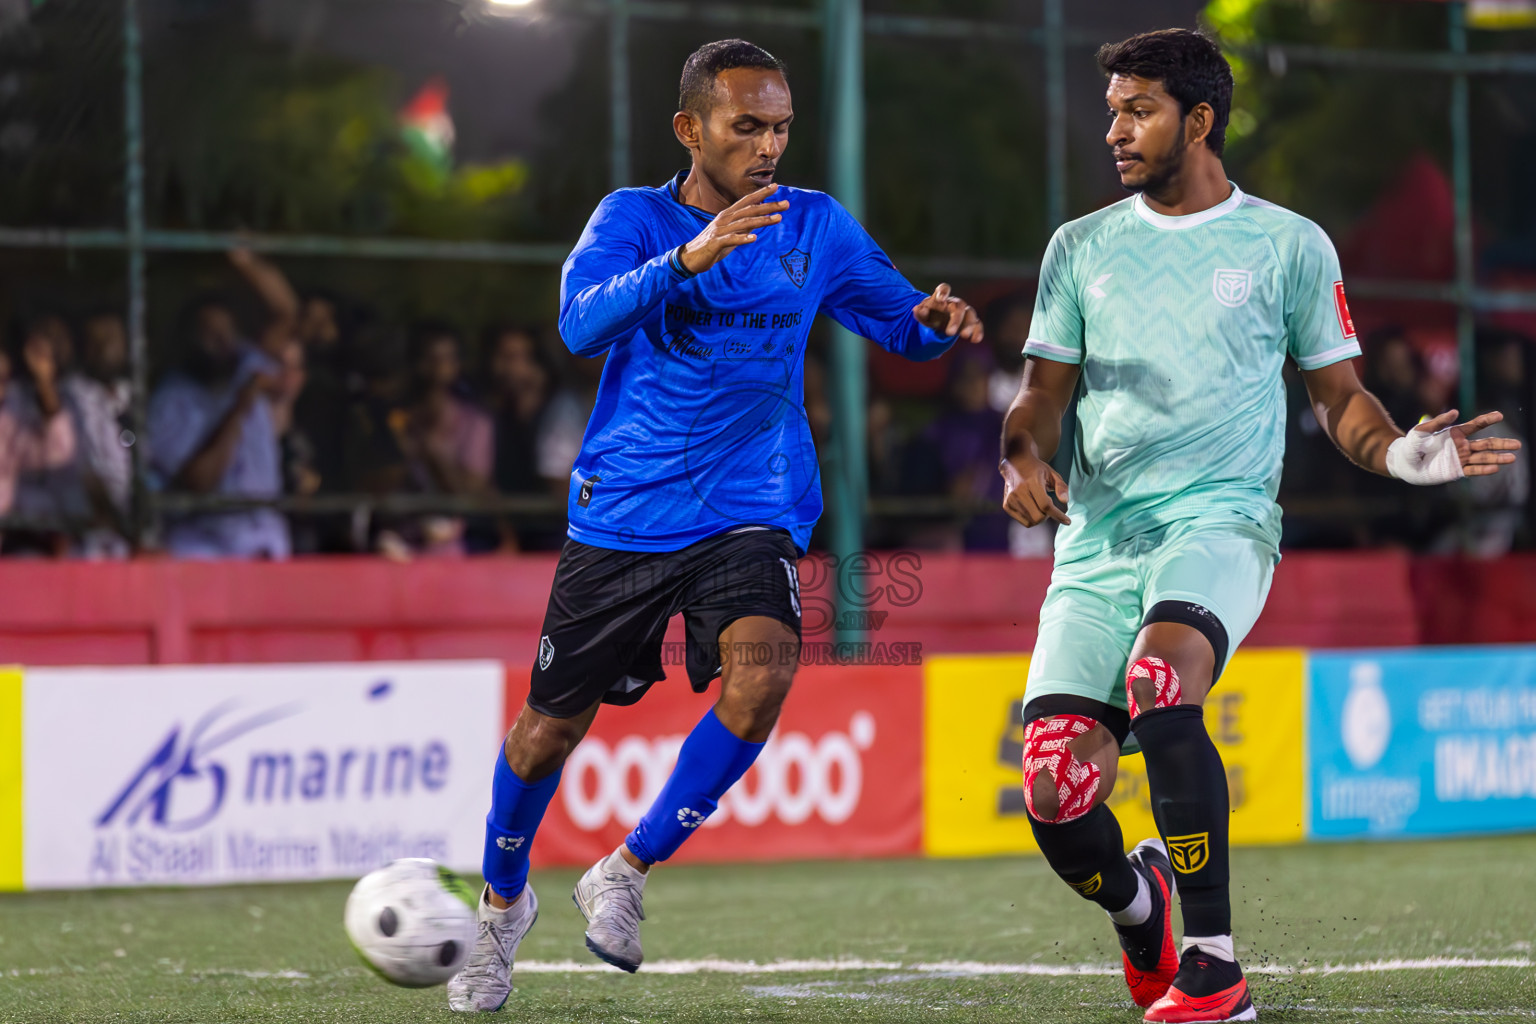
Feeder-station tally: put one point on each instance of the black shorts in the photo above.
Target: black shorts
(608, 612)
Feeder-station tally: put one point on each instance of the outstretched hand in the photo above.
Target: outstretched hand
(1481, 457)
(949, 316)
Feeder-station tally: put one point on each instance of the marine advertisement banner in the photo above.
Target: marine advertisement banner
(216, 774)
(1423, 742)
(973, 729)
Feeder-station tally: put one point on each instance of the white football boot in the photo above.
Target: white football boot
(608, 896)
(486, 980)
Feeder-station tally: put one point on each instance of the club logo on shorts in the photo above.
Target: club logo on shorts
(797, 265)
(511, 843)
(689, 818)
(1189, 853)
(793, 572)
(1232, 287)
(546, 651)
(1089, 887)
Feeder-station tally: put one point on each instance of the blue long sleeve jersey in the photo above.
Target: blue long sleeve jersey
(699, 426)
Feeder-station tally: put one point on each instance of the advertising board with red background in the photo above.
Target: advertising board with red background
(840, 777)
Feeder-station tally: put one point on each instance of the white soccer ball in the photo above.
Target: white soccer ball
(412, 921)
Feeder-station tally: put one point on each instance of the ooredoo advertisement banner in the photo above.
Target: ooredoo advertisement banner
(1424, 742)
(974, 734)
(840, 777)
(213, 774)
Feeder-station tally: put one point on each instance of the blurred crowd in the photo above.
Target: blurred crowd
(315, 398)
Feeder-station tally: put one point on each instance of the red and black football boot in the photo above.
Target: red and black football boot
(1206, 989)
(1147, 950)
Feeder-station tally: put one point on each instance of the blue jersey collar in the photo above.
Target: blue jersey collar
(675, 190)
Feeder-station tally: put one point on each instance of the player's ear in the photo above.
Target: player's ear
(687, 128)
(1198, 124)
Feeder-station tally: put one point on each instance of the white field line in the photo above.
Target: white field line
(971, 968)
(1400, 1011)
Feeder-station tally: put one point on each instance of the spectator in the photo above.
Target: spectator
(320, 412)
(448, 443)
(100, 396)
(538, 428)
(211, 432)
(298, 449)
(1493, 507)
(50, 494)
(276, 294)
(966, 439)
(50, 441)
(321, 325)
(1007, 321)
(1394, 373)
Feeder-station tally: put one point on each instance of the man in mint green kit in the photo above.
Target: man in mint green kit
(1168, 317)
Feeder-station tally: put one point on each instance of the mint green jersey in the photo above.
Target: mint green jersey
(1182, 326)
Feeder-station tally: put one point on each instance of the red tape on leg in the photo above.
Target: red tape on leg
(1046, 750)
(1164, 679)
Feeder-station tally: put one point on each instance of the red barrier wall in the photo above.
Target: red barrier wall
(154, 611)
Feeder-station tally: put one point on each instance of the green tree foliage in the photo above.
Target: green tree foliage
(1329, 140)
(245, 135)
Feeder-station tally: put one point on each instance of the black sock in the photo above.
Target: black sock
(1089, 855)
(1188, 786)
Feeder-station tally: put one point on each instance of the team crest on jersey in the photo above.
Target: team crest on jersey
(797, 265)
(1232, 287)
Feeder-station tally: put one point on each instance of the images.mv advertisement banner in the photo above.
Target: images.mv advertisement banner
(216, 774)
(1423, 742)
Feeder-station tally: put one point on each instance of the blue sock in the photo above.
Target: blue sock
(517, 807)
(710, 762)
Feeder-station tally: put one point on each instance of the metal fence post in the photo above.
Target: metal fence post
(844, 42)
(1056, 115)
(618, 93)
(138, 347)
(1461, 180)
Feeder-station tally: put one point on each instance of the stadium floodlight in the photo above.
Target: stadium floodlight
(520, 10)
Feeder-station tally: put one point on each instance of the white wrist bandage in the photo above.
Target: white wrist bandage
(1425, 459)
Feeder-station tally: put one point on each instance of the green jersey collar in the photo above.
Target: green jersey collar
(1190, 220)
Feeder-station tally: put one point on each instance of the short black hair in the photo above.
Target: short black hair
(696, 93)
(1188, 63)
(424, 333)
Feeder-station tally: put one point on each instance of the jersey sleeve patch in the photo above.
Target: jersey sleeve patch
(1341, 306)
(1051, 350)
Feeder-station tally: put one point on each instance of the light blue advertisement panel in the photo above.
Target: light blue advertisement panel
(1422, 742)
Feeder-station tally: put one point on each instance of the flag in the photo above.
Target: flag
(427, 126)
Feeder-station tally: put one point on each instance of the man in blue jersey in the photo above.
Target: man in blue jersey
(697, 485)
(1168, 318)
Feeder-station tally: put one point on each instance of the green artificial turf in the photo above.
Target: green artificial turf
(278, 953)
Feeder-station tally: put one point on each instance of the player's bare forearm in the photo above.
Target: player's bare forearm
(1352, 416)
(1031, 434)
(1033, 423)
(1362, 429)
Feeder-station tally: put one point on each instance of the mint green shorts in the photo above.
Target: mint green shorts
(1094, 608)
